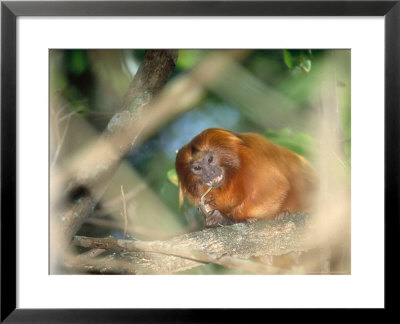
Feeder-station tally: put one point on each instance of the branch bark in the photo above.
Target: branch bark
(230, 246)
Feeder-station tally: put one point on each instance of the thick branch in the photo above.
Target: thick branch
(228, 245)
(153, 74)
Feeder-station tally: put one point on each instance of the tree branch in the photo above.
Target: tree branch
(152, 75)
(101, 163)
(228, 245)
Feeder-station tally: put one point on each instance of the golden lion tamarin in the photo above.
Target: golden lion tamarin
(246, 176)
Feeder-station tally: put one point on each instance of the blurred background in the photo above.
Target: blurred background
(299, 99)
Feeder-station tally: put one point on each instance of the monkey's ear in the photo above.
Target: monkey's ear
(181, 196)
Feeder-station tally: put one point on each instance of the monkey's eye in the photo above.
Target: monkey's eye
(210, 159)
(197, 168)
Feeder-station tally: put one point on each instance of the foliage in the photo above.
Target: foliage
(301, 143)
(172, 176)
(298, 59)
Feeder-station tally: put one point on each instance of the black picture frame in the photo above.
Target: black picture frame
(10, 10)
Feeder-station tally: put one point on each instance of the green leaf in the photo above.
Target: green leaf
(287, 58)
(187, 59)
(172, 176)
(78, 62)
(306, 65)
(298, 59)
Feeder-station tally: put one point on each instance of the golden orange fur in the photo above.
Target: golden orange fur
(260, 180)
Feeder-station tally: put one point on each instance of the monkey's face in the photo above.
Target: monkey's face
(206, 166)
(211, 158)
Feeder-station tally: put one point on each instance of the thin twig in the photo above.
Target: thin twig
(69, 115)
(131, 194)
(123, 214)
(61, 142)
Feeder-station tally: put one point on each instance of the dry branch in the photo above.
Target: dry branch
(228, 245)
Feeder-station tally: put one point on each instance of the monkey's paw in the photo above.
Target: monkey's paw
(215, 218)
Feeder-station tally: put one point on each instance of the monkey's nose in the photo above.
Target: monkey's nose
(212, 173)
